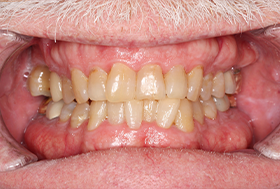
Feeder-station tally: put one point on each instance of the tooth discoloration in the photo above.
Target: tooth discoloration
(121, 83)
(195, 77)
(39, 81)
(79, 115)
(125, 96)
(80, 85)
(55, 87)
(150, 83)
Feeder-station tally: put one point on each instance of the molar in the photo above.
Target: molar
(79, 115)
(176, 82)
(55, 87)
(230, 83)
(167, 110)
(184, 118)
(121, 83)
(54, 109)
(97, 114)
(133, 113)
(195, 78)
(38, 81)
(80, 85)
(150, 83)
(97, 84)
(222, 104)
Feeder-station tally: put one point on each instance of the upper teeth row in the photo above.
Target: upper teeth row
(124, 85)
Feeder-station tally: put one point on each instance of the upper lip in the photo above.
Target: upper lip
(146, 28)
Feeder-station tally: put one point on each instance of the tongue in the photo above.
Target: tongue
(50, 139)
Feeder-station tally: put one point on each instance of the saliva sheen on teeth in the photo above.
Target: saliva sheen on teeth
(122, 95)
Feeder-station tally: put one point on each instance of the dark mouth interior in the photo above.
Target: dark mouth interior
(238, 128)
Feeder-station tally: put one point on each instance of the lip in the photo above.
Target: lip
(121, 167)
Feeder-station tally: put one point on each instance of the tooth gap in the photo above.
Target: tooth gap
(176, 98)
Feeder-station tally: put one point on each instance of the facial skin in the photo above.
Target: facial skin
(145, 24)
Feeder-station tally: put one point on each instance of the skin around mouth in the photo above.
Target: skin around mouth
(148, 167)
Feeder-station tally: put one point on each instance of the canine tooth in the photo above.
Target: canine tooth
(121, 83)
(205, 92)
(66, 111)
(176, 82)
(79, 115)
(150, 110)
(96, 84)
(218, 89)
(79, 84)
(115, 112)
(67, 90)
(230, 83)
(222, 104)
(38, 81)
(209, 108)
(184, 117)
(167, 110)
(54, 109)
(133, 113)
(195, 78)
(97, 114)
(55, 87)
(198, 113)
(150, 83)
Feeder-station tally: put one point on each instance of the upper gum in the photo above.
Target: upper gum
(71, 55)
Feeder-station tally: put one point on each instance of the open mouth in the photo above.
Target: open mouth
(136, 107)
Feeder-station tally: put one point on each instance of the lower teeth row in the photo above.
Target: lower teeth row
(177, 98)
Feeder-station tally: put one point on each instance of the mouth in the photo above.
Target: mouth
(126, 106)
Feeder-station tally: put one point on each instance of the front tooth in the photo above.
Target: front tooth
(55, 87)
(38, 81)
(167, 110)
(230, 83)
(209, 108)
(79, 115)
(97, 114)
(205, 92)
(150, 110)
(222, 104)
(67, 90)
(54, 109)
(176, 82)
(115, 113)
(96, 84)
(184, 117)
(80, 84)
(218, 89)
(195, 78)
(66, 111)
(121, 83)
(198, 113)
(133, 113)
(150, 83)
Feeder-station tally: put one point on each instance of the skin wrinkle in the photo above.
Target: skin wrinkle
(178, 13)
